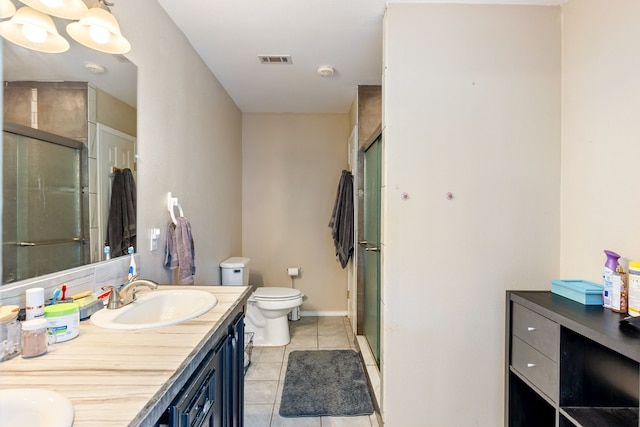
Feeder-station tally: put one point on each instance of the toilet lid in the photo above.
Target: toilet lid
(265, 293)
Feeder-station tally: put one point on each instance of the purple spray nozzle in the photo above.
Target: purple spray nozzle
(612, 260)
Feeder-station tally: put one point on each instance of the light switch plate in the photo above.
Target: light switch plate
(154, 236)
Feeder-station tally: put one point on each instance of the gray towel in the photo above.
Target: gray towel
(341, 221)
(180, 251)
(121, 224)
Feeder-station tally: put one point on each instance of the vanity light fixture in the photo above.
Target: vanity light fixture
(99, 30)
(34, 30)
(65, 9)
(7, 9)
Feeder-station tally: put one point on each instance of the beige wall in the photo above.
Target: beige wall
(116, 114)
(189, 143)
(291, 166)
(601, 134)
(472, 107)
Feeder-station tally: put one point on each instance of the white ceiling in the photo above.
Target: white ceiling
(229, 35)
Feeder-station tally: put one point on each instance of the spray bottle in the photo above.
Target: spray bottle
(610, 267)
(132, 265)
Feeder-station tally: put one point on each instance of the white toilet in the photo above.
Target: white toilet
(267, 307)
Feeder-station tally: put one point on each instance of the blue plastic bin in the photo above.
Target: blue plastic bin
(586, 293)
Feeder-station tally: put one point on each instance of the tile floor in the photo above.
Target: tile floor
(265, 378)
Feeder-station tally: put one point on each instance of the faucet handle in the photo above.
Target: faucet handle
(114, 297)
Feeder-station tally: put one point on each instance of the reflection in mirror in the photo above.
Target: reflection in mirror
(43, 207)
(81, 95)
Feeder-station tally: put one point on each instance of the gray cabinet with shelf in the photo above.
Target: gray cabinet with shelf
(568, 364)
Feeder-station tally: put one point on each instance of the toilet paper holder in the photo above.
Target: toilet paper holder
(294, 271)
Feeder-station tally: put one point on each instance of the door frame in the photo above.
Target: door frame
(105, 178)
(352, 274)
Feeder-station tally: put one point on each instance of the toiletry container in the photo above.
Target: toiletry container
(9, 332)
(64, 320)
(619, 291)
(34, 303)
(634, 288)
(610, 267)
(35, 337)
(235, 271)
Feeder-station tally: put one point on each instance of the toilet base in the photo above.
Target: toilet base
(267, 332)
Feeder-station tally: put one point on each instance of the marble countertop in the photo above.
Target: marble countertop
(125, 378)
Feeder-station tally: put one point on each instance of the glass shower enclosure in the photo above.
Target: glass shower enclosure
(43, 210)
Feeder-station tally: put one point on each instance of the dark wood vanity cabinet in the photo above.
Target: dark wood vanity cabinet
(213, 396)
(568, 364)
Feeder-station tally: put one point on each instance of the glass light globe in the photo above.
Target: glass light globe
(51, 3)
(99, 34)
(34, 34)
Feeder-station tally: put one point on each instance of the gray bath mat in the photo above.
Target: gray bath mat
(325, 383)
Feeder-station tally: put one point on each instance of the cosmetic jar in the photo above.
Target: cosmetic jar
(35, 303)
(9, 332)
(35, 338)
(64, 320)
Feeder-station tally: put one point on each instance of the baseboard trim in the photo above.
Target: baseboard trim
(323, 313)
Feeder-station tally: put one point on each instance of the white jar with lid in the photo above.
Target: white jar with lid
(35, 303)
(64, 320)
(634, 288)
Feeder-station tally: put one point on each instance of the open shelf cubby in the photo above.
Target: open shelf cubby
(598, 386)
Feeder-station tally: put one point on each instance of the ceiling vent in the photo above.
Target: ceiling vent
(275, 59)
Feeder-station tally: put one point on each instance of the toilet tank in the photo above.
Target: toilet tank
(235, 271)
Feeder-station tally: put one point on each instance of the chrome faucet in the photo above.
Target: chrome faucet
(127, 295)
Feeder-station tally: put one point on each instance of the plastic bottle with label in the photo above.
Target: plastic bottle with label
(619, 291)
(634, 288)
(610, 267)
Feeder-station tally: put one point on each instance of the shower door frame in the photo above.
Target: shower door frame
(361, 247)
(83, 178)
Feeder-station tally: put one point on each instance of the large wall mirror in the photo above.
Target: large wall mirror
(70, 127)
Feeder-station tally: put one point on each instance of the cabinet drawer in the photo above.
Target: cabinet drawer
(536, 367)
(536, 330)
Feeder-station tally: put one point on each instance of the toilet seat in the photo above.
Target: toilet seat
(276, 294)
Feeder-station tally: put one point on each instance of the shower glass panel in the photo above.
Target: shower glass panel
(42, 207)
(372, 209)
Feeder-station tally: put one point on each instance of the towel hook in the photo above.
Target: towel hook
(171, 203)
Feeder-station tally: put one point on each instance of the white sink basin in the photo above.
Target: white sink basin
(155, 309)
(34, 407)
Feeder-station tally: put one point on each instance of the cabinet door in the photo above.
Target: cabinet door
(235, 373)
(218, 386)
